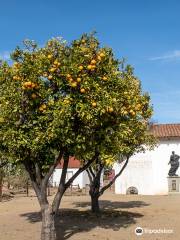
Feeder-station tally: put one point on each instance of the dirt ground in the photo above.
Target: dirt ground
(20, 218)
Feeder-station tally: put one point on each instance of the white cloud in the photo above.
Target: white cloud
(173, 55)
(5, 55)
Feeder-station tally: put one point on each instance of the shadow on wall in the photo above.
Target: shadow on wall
(72, 221)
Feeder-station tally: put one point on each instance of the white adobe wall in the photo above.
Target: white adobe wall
(138, 173)
(148, 171)
(160, 158)
(82, 178)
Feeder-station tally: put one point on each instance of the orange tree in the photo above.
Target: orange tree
(60, 100)
(126, 136)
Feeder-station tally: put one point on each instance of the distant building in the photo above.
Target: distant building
(81, 181)
(147, 172)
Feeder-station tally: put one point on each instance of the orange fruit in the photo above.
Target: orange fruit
(110, 109)
(56, 62)
(94, 104)
(99, 58)
(93, 61)
(89, 67)
(34, 96)
(80, 67)
(49, 56)
(102, 54)
(50, 77)
(104, 78)
(82, 90)
(74, 84)
(42, 107)
(33, 85)
(66, 101)
(52, 69)
(68, 75)
(78, 79)
(28, 84)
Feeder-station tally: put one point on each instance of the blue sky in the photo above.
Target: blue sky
(146, 33)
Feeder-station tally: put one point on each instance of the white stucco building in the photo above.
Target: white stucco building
(80, 182)
(148, 171)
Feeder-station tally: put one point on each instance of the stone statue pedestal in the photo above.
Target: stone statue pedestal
(173, 185)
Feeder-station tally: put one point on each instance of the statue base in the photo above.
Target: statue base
(173, 185)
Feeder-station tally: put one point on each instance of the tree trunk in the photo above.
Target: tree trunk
(1, 184)
(95, 203)
(48, 231)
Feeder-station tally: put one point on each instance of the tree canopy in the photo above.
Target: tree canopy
(68, 99)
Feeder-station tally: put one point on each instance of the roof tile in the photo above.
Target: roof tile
(165, 130)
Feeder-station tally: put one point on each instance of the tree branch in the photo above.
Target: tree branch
(38, 174)
(31, 171)
(91, 171)
(89, 175)
(113, 180)
(51, 170)
(61, 187)
(64, 170)
(80, 170)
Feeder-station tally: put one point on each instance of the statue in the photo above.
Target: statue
(174, 161)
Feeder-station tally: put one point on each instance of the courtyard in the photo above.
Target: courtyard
(121, 214)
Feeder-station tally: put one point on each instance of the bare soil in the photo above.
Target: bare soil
(20, 218)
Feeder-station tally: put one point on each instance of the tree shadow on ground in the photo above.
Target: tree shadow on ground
(6, 197)
(72, 221)
(106, 204)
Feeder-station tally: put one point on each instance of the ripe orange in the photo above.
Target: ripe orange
(82, 90)
(42, 107)
(111, 109)
(33, 85)
(66, 101)
(94, 104)
(34, 96)
(52, 69)
(49, 56)
(104, 78)
(89, 67)
(102, 54)
(93, 61)
(27, 84)
(80, 67)
(74, 84)
(99, 58)
(56, 62)
(68, 75)
(50, 77)
(78, 79)
(138, 107)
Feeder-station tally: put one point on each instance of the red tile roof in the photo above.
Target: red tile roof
(165, 130)
(73, 163)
